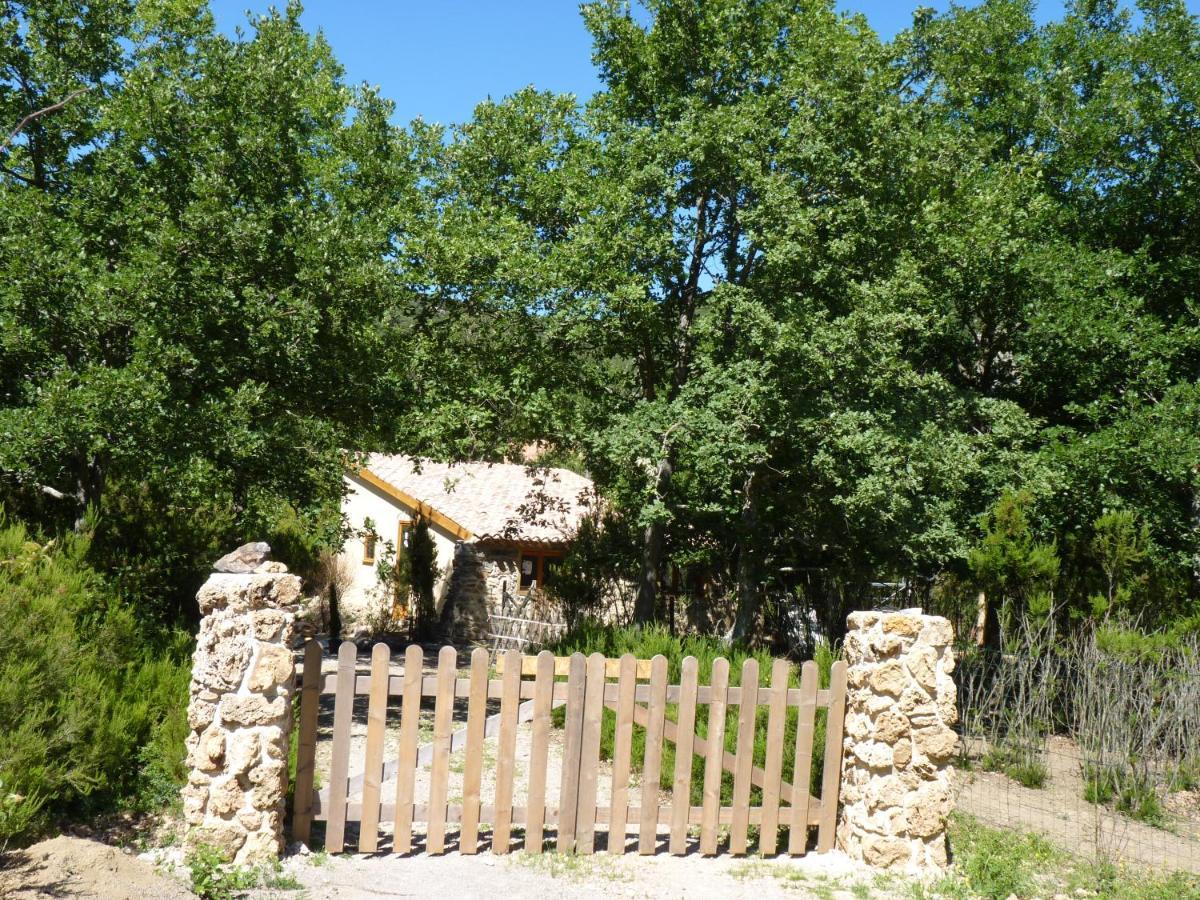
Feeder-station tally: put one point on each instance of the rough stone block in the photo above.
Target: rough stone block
(905, 624)
(885, 852)
(937, 742)
(273, 667)
(243, 751)
(225, 797)
(921, 662)
(889, 678)
(269, 624)
(890, 727)
(201, 714)
(252, 709)
(862, 621)
(224, 837)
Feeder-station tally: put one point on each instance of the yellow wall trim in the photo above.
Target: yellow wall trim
(442, 521)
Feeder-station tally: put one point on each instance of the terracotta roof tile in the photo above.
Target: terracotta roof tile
(494, 501)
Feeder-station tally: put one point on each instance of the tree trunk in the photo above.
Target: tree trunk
(1196, 529)
(89, 488)
(991, 623)
(645, 604)
(749, 596)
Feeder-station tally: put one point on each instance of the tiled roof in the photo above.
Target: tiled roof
(494, 501)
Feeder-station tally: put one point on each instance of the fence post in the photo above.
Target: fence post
(900, 704)
(240, 712)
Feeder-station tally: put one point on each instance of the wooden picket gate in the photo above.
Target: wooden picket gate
(585, 686)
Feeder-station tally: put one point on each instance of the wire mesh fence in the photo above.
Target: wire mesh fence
(1094, 747)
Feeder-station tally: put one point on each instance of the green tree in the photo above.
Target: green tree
(199, 252)
(1016, 571)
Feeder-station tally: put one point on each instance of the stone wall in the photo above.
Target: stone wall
(240, 712)
(900, 704)
(480, 576)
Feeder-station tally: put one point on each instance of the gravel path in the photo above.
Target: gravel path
(830, 875)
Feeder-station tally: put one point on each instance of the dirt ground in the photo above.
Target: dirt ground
(75, 867)
(1060, 813)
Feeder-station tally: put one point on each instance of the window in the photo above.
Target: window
(404, 538)
(538, 568)
(369, 540)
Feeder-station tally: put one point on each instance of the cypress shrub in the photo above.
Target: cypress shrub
(92, 708)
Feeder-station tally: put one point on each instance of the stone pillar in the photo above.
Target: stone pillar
(900, 704)
(240, 712)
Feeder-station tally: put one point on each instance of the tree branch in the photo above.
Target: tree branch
(38, 113)
(53, 492)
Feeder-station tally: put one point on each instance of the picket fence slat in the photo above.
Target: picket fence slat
(568, 795)
(528, 691)
(339, 767)
(589, 755)
(714, 763)
(681, 793)
(802, 770)
(468, 841)
(306, 747)
(622, 753)
(439, 775)
(539, 751)
(506, 752)
(652, 761)
(773, 764)
(368, 839)
(406, 762)
(747, 718)
(832, 773)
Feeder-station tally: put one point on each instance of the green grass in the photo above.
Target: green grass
(1127, 791)
(993, 864)
(762, 868)
(1023, 765)
(1186, 776)
(571, 866)
(645, 643)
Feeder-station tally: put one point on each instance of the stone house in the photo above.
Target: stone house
(499, 531)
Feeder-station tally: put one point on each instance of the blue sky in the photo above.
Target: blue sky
(438, 58)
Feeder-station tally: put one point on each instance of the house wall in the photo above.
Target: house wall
(360, 503)
(484, 578)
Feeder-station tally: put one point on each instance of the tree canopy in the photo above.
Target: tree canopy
(811, 307)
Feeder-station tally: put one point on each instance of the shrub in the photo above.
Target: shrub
(82, 688)
(213, 879)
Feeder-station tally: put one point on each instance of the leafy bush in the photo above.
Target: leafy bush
(213, 879)
(83, 690)
(647, 642)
